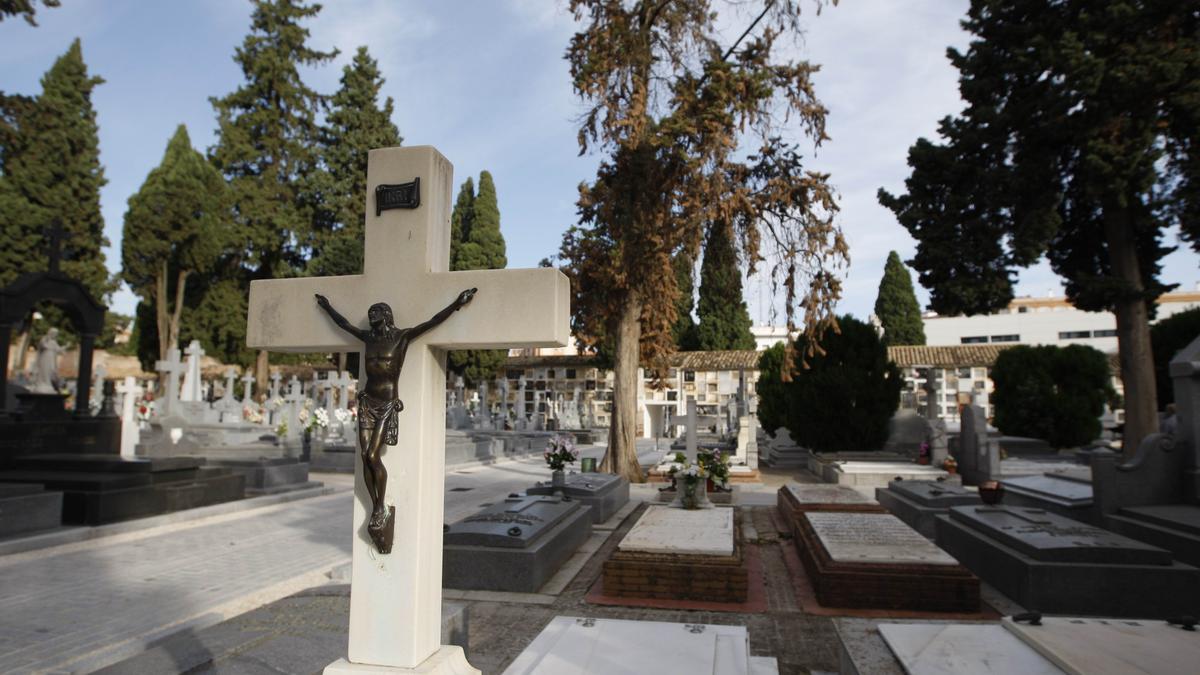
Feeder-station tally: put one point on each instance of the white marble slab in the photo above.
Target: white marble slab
(962, 649)
(618, 647)
(874, 538)
(824, 493)
(662, 529)
(1088, 646)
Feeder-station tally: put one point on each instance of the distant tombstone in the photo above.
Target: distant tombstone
(192, 385)
(938, 445)
(522, 413)
(484, 416)
(170, 367)
(131, 432)
(606, 493)
(293, 402)
(248, 389)
(230, 408)
(919, 502)
(980, 456)
(275, 378)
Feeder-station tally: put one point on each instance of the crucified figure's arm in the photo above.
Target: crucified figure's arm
(339, 319)
(459, 302)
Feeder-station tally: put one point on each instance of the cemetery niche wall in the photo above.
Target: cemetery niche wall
(77, 454)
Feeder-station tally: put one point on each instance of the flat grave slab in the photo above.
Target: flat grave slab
(962, 649)
(679, 531)
(680, 554)
(515, 545)
(1050, 563)
(1066, 494)
(604, 492)
(619, 647)
(877, 474)
(918, 502)
(795, 497)
(1085, 646)
(875, 561)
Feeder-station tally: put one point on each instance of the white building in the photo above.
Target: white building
(1043, 321)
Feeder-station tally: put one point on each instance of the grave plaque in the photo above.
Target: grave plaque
(605, 493)
(874, 560)
(516, 545)
(874, 538)
(1054, 564)
(795, 498)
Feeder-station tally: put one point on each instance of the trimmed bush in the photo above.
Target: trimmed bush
(1053, 393)
(1167, 337)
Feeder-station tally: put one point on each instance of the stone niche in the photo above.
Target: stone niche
(875, 561)
(919, 502)
(604, 492)
(1053, 564)
(795, 498)
(678, 554)
(516, 545)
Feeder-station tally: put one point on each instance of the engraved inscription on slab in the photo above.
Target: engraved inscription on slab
(827, 494)
(874, 538)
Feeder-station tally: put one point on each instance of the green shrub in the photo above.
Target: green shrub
(1053, 393)
(1167, 337)
(843, 401)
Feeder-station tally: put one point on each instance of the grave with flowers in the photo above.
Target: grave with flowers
(604, 492)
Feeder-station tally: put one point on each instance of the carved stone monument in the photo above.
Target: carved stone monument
(395, 605)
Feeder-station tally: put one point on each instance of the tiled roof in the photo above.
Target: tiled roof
(950, 356)
(715, 360)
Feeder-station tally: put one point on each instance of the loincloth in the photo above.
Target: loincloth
(373, 412)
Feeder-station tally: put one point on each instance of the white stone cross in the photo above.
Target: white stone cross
(294, 400)
(690, 434)
(396, 599)
(343, 382)
(275, 377)
(248, 388)
(192, 388)
(172, 367)
(130, 432)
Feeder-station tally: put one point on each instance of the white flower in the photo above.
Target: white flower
(342, 415)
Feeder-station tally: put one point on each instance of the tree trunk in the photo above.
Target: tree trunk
(1133, 334)
(621, 457)
(262, 374)
(177, 312)
(160, 311)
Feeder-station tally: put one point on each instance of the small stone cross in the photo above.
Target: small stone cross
(275, 378)
(396, 599)
(248, 388)
(172, 367)
(130, 431)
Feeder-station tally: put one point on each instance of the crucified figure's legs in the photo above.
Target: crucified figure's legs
(374, 473)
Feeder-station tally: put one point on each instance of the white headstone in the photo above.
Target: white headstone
(396, 599)
(171, 367)
(248, 389)
(130, 431)
(193, 389)
(275, 378)
(293, 401)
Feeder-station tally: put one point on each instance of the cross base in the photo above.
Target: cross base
(449, 660)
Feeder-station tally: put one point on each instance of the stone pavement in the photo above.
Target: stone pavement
(303, 633)
(80, 606)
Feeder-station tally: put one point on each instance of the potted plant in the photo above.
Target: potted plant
(950, 465)
(690, 482)
(560, 451)
(923, 455)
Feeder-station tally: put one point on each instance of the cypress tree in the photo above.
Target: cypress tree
(460, 222)
(52, 171)
(896, 305)
(177, 225)
(684, 330)
(355, 125)
(481, 247)
(724, 318)
(268, 143)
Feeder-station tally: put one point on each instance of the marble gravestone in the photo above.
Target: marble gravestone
(979, 455)
(395, 599)
(795, 497)
(516, 545)
(1053, 564)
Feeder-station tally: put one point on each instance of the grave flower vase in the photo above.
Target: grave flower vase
(558, 479)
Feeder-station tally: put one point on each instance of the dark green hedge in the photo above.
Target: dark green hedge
(1053, 393)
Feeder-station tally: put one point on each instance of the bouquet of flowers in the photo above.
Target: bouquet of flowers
(253, 414)
(275, 403)
(716, 464)
(145, 408)
(560, 451)
(343, 415)
(687, 478)
(319, 418)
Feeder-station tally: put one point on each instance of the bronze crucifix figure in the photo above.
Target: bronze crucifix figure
(379, 404)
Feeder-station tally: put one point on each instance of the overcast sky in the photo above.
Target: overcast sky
(485, 82)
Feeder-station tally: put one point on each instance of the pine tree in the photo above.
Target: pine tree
(897, 307)
(24, 8)
(460, 222)
(724, 318)
(177, 226)
(480, 247)
(52, 172)
(356, 124)
(268, 144)
(1077, 143)
(684, 329)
